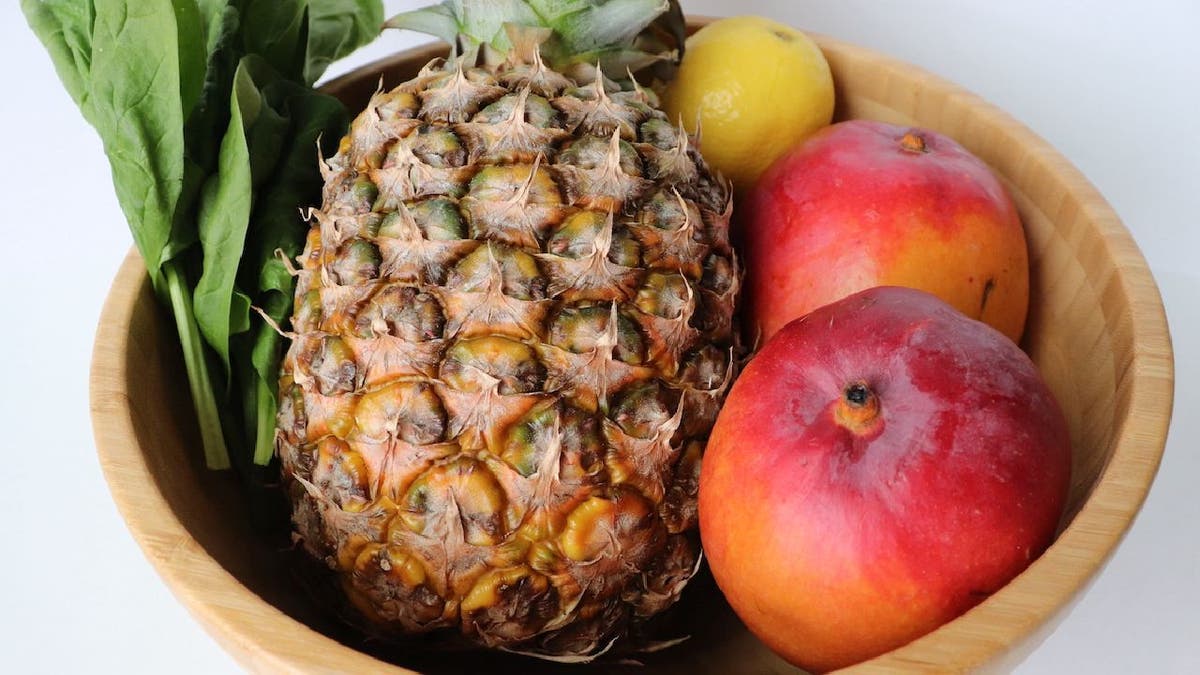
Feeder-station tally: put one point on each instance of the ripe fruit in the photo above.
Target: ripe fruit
(513, 333)
(880, 466)
(757, 88)
(864, 204)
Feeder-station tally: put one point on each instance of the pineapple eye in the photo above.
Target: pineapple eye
(438, 147)
(705, 370)
(334, 367)
(342, 474)
(664, 295)
(659, 132)
(591, 152)
(502, 183)
(596, 525)
(665, 211)
(577, 237)
(307, 317)
(478, 364)
(520, 276)
(625, 249)
(538, 111)
(578, 330)
(398, 105)
(718, 274)
(403, 311)
(572, 433)
(362, 195)
(642, 410)
(439, 219)
(291, 418)
(410, 411)
(357, 262)
(463, 489)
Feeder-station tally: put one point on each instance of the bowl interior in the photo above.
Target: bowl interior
(1096, 331)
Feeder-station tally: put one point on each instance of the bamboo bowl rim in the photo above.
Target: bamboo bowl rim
(1021, 613)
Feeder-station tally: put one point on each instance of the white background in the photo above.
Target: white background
(1115, 86)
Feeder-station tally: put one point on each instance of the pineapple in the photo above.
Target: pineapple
(512, 334)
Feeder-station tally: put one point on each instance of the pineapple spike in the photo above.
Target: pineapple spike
(272, 323)
(521, 196)
(598, 85)
(517, 117)
(688, 222)
(327, 171)
(637, 88)
(286, 260)
(612, 172)
(603, 242)
(684, 141)
(548, 471)
(608, 339)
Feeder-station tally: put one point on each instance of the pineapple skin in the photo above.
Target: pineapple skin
(513, 330)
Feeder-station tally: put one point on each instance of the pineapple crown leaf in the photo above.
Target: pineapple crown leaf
(620, 34)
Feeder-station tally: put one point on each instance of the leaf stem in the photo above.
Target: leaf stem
(264, 428)
(216, 454)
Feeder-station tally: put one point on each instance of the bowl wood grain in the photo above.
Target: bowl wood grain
(1097, 331)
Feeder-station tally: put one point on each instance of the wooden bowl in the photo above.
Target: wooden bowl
(1096, 329)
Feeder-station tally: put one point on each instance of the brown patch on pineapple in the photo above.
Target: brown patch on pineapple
(509, 606)
(394, 583)
(661, 584)
(678, 509)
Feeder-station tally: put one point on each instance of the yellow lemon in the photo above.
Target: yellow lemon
(755, 87)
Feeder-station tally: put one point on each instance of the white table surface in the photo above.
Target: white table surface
(1115, 86)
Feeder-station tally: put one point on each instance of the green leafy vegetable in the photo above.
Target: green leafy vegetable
(336, 28)
(210, 124)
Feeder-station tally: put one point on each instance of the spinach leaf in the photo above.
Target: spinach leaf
(134, 101)
(277, 226)
(336, 28)
(226, 203)
(65, 27)
(278, 33)
(193, 53)
(206, 114)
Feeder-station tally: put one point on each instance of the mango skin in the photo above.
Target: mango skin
(852, 207)
(835, 543)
